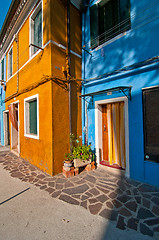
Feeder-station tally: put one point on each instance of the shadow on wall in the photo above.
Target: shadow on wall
(135, 46)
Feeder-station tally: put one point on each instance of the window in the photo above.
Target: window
(31, 116)
(36, 29)
(2, 69)
(108, 18)
(151, 124)
(10, 63)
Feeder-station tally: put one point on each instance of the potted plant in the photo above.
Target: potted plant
(81, 153)
(68, 160)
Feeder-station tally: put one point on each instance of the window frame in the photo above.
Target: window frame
(26, 116)
(147, 158)
(31, 29)
(95, 41)
(10, 74)
(2, 69)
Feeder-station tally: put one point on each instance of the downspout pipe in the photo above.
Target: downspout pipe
(84, 137)
(69, 70)
(16, 39)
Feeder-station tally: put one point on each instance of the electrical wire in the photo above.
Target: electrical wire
(126, 68)
(126, 28)
(148, 7)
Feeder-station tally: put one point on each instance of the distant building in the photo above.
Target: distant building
(43, 54)
(120, 106)
(3, 114)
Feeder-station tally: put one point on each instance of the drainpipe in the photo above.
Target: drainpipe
(16, 39)
(68, 69)
(84, 130)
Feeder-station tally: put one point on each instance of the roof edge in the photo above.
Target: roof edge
(10, 14)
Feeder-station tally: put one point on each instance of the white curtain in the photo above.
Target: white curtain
(116, 134)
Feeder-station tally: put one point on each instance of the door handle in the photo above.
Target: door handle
(104, 128)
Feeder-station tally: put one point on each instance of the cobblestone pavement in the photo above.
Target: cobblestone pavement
(130, 204)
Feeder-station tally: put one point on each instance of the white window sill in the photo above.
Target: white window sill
(32, 55)
(31, 136)
(9, 78)
(110, 41)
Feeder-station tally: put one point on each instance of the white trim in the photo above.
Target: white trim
(109, 41)
(5, 126)
(3, 57)
(63, 47)
(33, 15)
(57, 44)
(6, 111)
(29, 99)
(21, 25)
(34, 55)
(98, 127)
(31, 136)
(156, 86)
(1, 69)
(8, 60)
(18, 128)
(76, 54)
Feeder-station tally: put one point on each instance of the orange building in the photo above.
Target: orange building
(41, 43)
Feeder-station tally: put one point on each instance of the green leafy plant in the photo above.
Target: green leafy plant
(83, 152)
(79, 150)
(69, 157)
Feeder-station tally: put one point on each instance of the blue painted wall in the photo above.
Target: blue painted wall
(139, 44)
(2, 104)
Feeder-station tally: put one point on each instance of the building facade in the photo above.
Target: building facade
(121, 85)
(2, 98)
(43, 61)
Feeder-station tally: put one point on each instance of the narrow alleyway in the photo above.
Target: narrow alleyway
(129, 204)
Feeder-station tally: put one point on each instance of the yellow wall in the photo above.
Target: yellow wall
(61, 96)
(23, 38)
(38, 151)
(58, 21)
(48, 151)
(75, 30)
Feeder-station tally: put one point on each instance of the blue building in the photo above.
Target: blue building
(120, 93)
(4, 116)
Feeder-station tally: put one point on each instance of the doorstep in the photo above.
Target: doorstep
(115, 171)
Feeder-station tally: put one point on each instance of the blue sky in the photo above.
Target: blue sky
(5, 4)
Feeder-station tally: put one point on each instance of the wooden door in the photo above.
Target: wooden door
(113, 135)
(105, 132)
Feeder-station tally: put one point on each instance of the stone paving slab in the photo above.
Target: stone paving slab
(130, 204)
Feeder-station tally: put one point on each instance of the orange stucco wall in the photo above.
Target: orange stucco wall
(23, 38)
(60, 95)
(48, 151)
